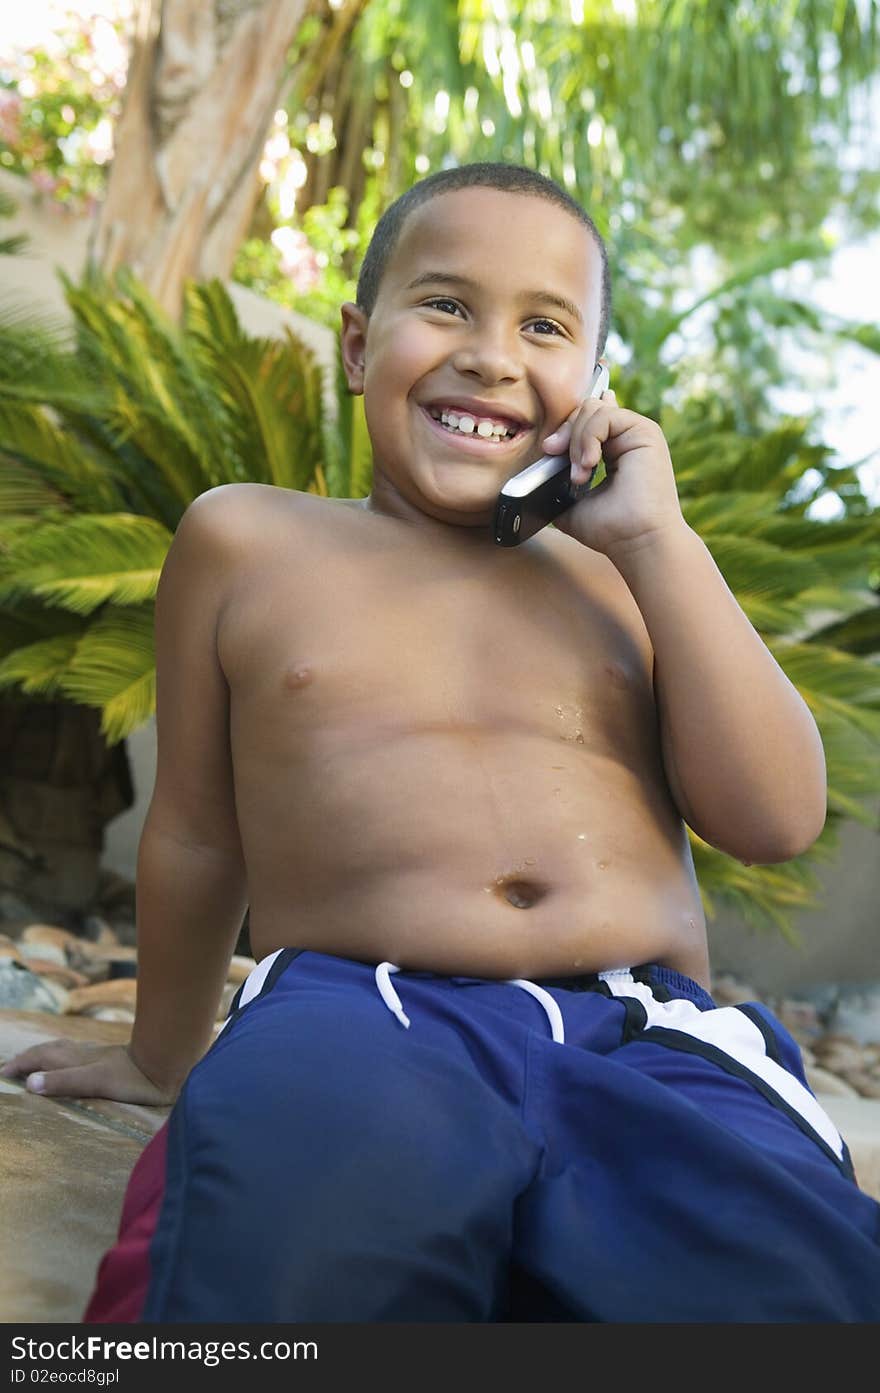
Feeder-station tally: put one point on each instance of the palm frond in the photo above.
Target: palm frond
(114, 668)
(765, 896)
(22, 491)
(859, 632)
(31, 438)
(28, 621)
(84, 562)
(156, 399)
(38, 668)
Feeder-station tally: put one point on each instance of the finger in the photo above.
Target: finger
(557, 441)
(586, 449)
(560, 439)
(83, 1081)
(47, 1054)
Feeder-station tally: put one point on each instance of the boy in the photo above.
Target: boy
(413, 752)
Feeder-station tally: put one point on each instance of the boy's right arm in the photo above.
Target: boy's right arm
(191, 889)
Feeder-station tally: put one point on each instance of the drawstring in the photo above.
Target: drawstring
(554, 1015)
(388, 994)
(392, 1000)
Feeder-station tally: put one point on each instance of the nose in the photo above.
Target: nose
(489, 354)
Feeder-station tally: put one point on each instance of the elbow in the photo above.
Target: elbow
(789, 842)
(766, 842)
(809, 833)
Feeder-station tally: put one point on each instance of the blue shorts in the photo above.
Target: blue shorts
(366, 1144)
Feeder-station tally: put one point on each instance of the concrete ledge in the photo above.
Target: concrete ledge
(64, 1166)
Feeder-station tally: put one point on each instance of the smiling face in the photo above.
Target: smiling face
(490, 304)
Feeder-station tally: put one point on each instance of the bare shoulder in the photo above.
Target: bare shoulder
(230, 512)
(235, 524)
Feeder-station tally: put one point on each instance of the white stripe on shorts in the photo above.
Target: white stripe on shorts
(729, 1030)
(253, 985)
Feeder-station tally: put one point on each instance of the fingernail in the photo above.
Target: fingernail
(36, 1082)
(548, 439)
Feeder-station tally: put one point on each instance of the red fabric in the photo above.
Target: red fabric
(124, 1271)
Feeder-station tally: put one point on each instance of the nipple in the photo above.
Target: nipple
(299, 676)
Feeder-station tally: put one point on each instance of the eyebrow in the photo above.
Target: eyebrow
(543, 297)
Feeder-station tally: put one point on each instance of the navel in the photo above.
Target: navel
(517, 890)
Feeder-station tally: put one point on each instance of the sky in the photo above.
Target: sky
(851, 290)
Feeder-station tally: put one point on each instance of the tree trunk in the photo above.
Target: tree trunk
(60, 784)
(205, 79)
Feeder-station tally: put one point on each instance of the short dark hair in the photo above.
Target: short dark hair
(513, 178)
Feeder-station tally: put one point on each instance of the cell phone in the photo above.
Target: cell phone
(541, 491)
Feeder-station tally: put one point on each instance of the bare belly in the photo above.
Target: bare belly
(462, 850)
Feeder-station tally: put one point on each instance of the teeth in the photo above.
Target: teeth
(487, 430)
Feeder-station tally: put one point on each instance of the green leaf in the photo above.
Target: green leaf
(114, 667)
(83, 562)
(39, 667)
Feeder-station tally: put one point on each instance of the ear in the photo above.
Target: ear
(353, 343)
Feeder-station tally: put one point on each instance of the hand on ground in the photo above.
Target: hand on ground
(77, 1069)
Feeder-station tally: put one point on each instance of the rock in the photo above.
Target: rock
(109, 1013)
(121, 991)
(50, 934)
(727, 990)
(97, 930)
(97, 960)
(9, 949)
(104, 953)
(43, 952)
(825, 1084)
(823, 998)
(839, 1054)
(800, 1018)
(63, 976)
(857, 1013)
(23, 990)
(866, 1085)
(240, 967)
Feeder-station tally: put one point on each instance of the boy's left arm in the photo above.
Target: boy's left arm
(742, 753)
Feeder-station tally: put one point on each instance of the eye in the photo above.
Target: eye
(553, 325)
(432, 304)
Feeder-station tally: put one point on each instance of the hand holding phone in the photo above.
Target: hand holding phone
(541, 491)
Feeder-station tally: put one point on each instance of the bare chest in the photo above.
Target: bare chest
(348, 632)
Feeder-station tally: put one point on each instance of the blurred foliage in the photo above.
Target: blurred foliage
(57, 104)
(698, 133)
